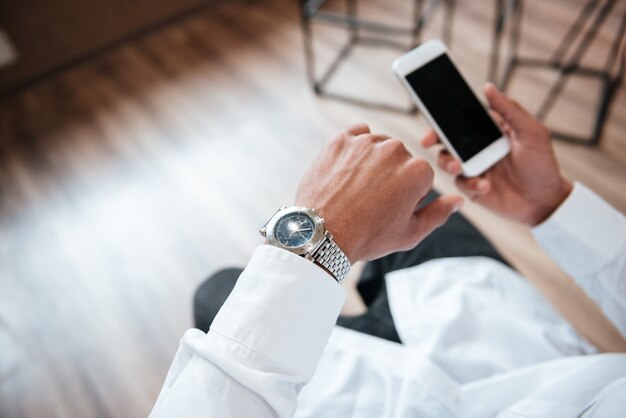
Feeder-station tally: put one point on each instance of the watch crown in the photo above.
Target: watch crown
(263, 231)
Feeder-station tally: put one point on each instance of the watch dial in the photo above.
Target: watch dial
(294, 230)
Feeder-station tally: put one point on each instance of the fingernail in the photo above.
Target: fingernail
(482, 185)
(458, 205)
(451, 167)
(491, 84)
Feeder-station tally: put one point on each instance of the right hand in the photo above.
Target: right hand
(368, 188)
(526, 185)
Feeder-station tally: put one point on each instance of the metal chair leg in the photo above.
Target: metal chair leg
(611, 79)
(311, 12)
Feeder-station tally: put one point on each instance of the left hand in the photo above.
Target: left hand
(526, 185)
(368, 188)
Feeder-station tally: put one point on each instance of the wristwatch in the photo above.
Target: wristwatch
(301, 231)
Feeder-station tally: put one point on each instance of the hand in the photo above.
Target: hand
(368, 188)
(526, 185)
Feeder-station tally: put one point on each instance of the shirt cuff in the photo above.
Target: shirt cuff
(283, 307)
(584, 233)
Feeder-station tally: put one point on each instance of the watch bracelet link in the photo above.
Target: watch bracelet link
(330, 256)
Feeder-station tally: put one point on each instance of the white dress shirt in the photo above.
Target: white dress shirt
(478, 339)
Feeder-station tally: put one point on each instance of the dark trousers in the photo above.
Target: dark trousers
(457, 238)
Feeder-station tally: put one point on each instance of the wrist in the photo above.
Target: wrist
(302, 231)
(341, 238)
(343, 235)
(552, 202)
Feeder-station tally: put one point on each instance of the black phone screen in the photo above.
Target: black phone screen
(454, 107)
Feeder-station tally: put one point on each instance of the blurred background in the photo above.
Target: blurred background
(143, 143)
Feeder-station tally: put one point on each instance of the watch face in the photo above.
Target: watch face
(294, 230)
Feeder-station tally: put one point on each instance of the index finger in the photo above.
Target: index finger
(429, 139)
(358, 129)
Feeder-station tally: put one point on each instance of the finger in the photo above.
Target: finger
(448, 163)
(429, 139)
(497, 118)
(421, 174)
(433, 215)
(512, 113)
(373, 137)
(358, 129)
(473, 187)
(504, 127)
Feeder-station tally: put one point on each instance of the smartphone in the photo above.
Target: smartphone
(451, 107)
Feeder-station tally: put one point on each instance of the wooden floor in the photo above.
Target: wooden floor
(127, 180)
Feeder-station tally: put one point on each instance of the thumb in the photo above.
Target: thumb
(511, 111)
(433, 215)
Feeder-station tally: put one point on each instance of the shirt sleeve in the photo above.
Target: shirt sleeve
(262, 347)
(587, 238)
